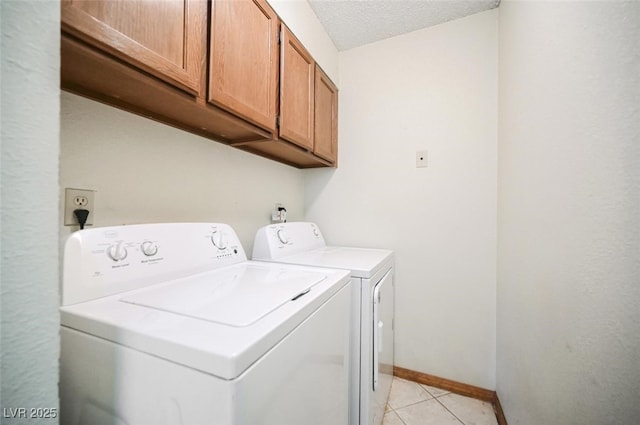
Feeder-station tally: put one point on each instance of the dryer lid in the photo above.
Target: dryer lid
(362, 262)
(238, 297)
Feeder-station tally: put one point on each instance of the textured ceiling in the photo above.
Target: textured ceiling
(353, 23)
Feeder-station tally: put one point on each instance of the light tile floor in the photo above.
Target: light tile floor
(411, 403)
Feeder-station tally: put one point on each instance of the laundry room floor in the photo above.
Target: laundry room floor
(411, 403)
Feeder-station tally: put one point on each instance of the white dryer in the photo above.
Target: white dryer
(170, 324)
(372, 306)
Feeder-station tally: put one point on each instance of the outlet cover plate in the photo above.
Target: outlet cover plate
(78, 198)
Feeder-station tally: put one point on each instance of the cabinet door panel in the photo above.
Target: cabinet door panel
(166, 38)
(296, 92)
(243, 71)
(326, 117)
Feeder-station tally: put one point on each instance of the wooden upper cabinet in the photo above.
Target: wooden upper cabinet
(326, 118)
(297, 86)
(243, 62)
(223, 69)
(165, 38)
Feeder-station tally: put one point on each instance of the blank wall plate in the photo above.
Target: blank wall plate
(421, 159)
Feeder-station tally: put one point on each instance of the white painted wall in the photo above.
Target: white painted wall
(145, 172)
(433, 89)
(568, 319)
(29, 229)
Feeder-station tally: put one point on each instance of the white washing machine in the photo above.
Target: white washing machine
(170, 324)
(372, 306)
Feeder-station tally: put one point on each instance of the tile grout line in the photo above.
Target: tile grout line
(394, 411)
(422, 401)
(449, 410)
(411, 404)
(442, 404)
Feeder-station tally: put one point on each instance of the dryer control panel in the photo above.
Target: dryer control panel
(109, 260)
(279, 240)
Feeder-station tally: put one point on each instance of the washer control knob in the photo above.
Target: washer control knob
(117, 252)
(149, 248)
(282, 236)
(219, 240)
(316, 233)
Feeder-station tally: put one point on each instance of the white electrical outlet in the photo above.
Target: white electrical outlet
(421, 159)
(278, 216)
(78, 199)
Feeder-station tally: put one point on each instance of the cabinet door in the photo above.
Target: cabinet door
(166, 38)
(243, 63)
(296, 92)
(326, 117)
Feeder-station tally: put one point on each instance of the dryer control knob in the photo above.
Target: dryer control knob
(219, 240)
(117, 252)
(149, 248)
(316, 233)
(282, 236)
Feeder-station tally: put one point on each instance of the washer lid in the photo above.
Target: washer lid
(239, 297)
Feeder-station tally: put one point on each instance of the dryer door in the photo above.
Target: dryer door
(383, 306)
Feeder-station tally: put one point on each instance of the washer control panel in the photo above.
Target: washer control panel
(110, 260)
(279, 240)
